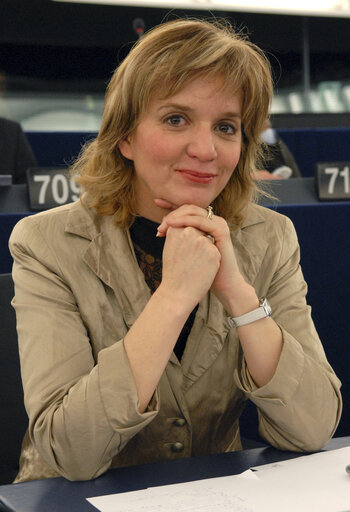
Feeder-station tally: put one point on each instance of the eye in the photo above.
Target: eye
(175, 120)
(227, 129)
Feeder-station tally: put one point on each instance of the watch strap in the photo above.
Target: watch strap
(263, 311)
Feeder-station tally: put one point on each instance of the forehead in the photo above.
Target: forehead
(199, 90)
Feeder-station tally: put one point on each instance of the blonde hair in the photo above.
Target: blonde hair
(162, 62)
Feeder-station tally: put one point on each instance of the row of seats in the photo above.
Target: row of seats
(313, 145)
(330, 96)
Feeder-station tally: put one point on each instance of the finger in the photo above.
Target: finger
(217, 227)
(200, 221)
(184, 212)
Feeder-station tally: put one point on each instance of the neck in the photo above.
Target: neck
(153, 213)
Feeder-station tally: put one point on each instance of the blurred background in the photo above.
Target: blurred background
(56, 57)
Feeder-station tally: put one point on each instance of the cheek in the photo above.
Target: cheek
(232, 157)
(236, 160)
(158, 149)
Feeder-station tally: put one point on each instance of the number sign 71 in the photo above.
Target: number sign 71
(333, 181)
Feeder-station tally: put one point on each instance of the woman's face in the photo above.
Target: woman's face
(185, 147)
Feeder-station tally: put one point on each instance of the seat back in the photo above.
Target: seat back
(13, 417)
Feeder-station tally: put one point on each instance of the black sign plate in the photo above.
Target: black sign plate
(50, 186)
(333, 181)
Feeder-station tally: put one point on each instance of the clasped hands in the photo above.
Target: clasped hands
(192, 264)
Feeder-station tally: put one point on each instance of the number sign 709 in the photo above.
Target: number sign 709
(61, 188)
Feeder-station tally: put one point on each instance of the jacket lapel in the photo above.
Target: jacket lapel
(109, 254)
(250, 247)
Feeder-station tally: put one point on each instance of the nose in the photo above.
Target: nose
(201, 144)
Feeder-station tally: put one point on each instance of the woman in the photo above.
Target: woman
(136, 347)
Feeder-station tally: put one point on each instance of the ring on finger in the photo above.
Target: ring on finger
(211, 238)
(210, 212)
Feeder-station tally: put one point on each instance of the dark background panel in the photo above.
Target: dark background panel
(61, 41)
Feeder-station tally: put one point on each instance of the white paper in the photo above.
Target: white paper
(198, 496)
(312, 483)
(317, 482)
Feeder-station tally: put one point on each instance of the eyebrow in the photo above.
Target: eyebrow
(186, 108)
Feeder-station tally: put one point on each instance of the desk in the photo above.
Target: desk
(60, 495)
(14, 199)
(293, 191)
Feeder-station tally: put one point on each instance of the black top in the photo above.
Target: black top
(149, 251)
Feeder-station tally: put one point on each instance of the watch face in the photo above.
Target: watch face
(267, 307)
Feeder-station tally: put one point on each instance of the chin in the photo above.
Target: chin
(201, 202)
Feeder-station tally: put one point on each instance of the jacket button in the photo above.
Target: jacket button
(177, 447)
(179, 422)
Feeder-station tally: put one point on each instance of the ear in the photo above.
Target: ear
(125, 147)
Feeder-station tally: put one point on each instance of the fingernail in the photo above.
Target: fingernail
(158, 234)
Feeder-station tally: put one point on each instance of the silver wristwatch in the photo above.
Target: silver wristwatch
(263, 311)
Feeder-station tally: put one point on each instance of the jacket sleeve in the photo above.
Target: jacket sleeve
(299, 409)
(82, 408)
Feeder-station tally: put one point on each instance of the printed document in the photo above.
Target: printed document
(310, 483)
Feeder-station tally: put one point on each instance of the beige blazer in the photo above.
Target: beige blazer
(78, 291)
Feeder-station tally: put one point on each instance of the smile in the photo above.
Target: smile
(196, 177)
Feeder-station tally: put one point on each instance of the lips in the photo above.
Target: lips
(195, 176)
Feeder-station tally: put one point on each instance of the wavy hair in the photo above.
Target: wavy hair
(161, 63)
